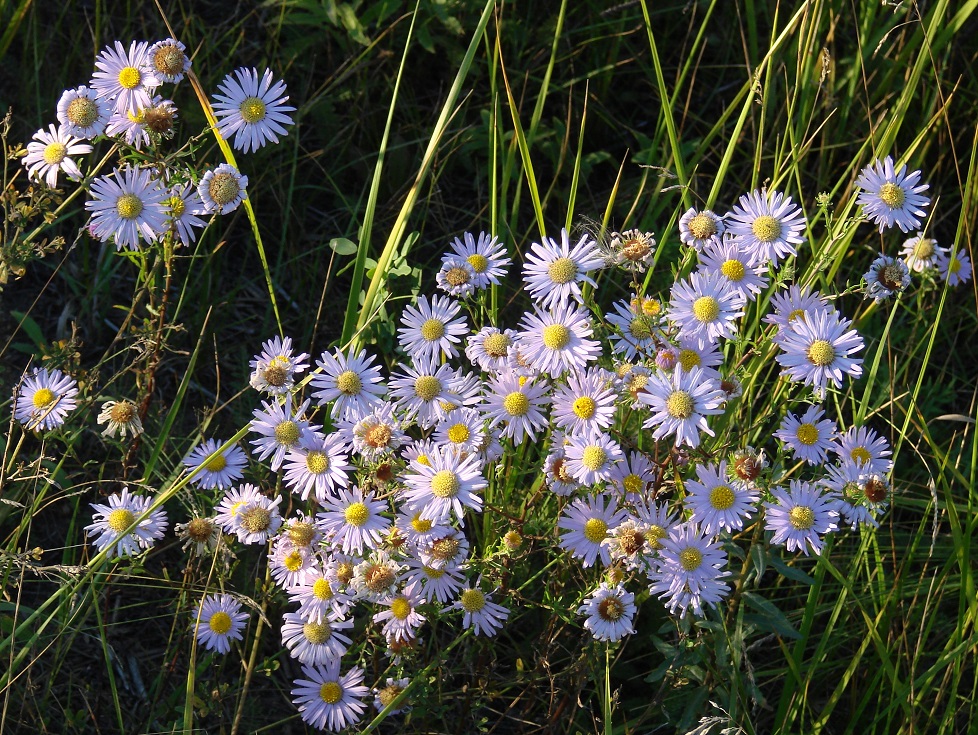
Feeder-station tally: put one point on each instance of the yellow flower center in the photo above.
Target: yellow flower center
(584, 407)
(556, 336)
(796, 314)
(377, 436)
(317, 633)
(821, 353)
(43, 397)
(722, 497)
(427, 387)
(344, 571)
(702, 226)
(706, 309)
(349, 383)
(516, 404)
(861, 455)
(632, 483)
(610, 608)
(459, 434)
(445, 484)
(595, 530)
(654, 536)
(356, 514)
(680, 404)
(472, 600)
(496, 345)
(120, 519)
(223, 188)
(276, 374)
(457, 276)
(129, 77)
(301, 533)
(256, 520)
(423, 459)
(388, 694)
(433, 329)
(953, 265)
(766, 228)
(317, 462)
(690, 558)
(293, 561)
(924, 248)
(445, 547)
(892, 195)
(331, 692)
(593, 457)
(322, 589)
(287, 433)
(733, 270)
(479, 263)
(129, 206)
(82, 112)
(801, 517)
(216, 463)
(689, 359)
(177, 206)
(640, 328)
(55, 153)
(401, 608)
(421, 525)
(807, 434)
(169, 60)
(220, 622)
(562, 270)
(252, 110)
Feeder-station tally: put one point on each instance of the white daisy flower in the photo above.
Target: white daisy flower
(447, 550)
(484, 616)
(328, 701)
(218, 620)
(82, 113)
(886, 277)
(183, 205)
(717, 503)
(222, 189)
(800, 516)
(518, 403)
(445, 486)
(633, 250)
(891, 197)
(315, 642)
(430, 330)
(591, 456)
(126, 206)
(354, 521)
(609, 612)
(125, 77)
(437, 584)
(556, 471)
(318, 466)
(44, 398)
(554, 273)
(374, 434)
(586, 402)
(233, 500)
(273, 370)
(401, 619)
(221, 470)
(680, 404)
(112, 524)
(463, 430)
(955, 268)
(423, 391)
(630, 547)
(922, 253)
(167, 60)
(692, 354)
(319, 595)
(289, 564)
(51, 152)
(134, 128)
(587, 522)
(729, 260)
(700, 228)
(252, 109)
(817, 350)
(811, 437)
(456, 277)
(690, 571)
(556, 341)
(486, 255)
(258, 520)
(353, 384)
(768, 226)
(122, 418)
(705, 307)
(489, 348)
(376, 578)
(385, 696)
(849, 482)
(279, 430)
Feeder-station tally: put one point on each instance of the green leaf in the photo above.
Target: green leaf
(343, 246)
(768, 617)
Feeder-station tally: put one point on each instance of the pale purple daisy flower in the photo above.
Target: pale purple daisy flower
(222, 189)
(800, 516)
(487, 256)
(320, 595)
(849, 481)
(353, 384)
(318, 466)
(233, 500)
(124, 77)
(440, 584)
(591, 456)
(587, 522)
(430, 330)
(554, 273)
(891, 197)
(279, 429)
(252, 109)
(586, 402)
(556, 341)
(489, 348)
(50, 152)
(328, 701)
(183, 205)
(456, 277)
(445, 486)
(795, 304)
(111, 524)
(83, 113)
(274, 369)
(717, 502)
(811, 437)
(636, 332)
(690, 571)
(728, 259)
(680, 404)
(705, 307)
(632, 476)
(922, 253)
(315, 642)
(376, 578)
(385, 696)
(375, 434)
(127, 206)
(256, 521)
(767, 225)
(818, 349)
(706, 357)
(354, 521)
(863, 447)
(955, 268)
(518, 403)
(463, 430)
(449, 549)
(700, 228)
(167, 60)
(218, 620)
(481, 614)
(221, 470)
(886, 277)
(423, 391)
(289, 563)
(44, 398)
(401, 619)
(609, 612)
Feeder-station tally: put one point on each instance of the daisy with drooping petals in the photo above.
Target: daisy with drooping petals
(167, 60)
(122, 418)
(318, 466)
(456, 277)
(218, 620)
(556, 341)
(955, 268)
(376, 577)
(554, 273)
(705, 357)
(252, 109)
(587, 521)
(222, 189)
(705, 307)
(328, 701)
(124, 77)
(633, 250)
(127, 206)
(289, 563)
(484, 616)
(690, 571)
(430, 330)
(112, 524)
(354, 521)
(800, 516)
(83, 113)
(50, 152)
(886, 277)
(849, 482)
(221, 470)
(518, 403)
(767, 226)
(609, 612)
(809, 437)
(374, 434)
(891, 197)
(700, 228)
(445, 486)
(134, 127)
(817, 350)
(183, 205)
(486, 255)
(717, 503)
(680, 404)
(44, 399)
(922, 253)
